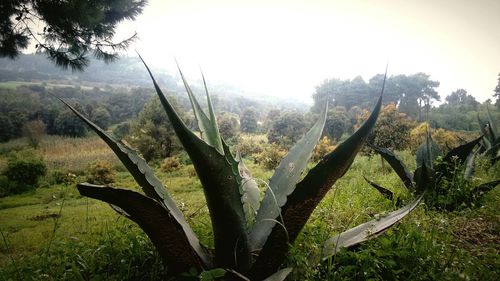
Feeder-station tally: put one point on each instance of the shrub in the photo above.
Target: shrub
(24, 170)
(271, 156)
(101, 172)
(170, 164)
(324, 147)
(250, 145)
(59, 177)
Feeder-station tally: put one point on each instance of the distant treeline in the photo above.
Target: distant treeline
(414, 95)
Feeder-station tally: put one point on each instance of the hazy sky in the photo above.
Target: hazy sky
(286, 48)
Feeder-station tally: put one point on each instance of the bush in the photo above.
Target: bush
(59, 177)
(170, 164)
(250, 145)
(24, 170)
(324, 147)
(101, 172)
(271, 156)
(5, 186)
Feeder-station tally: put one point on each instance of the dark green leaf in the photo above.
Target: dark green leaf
(384, 191)
(166, 233)
(396, 164)
(283, 182)
(366, 230)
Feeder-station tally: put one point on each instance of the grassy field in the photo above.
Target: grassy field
(53, 233)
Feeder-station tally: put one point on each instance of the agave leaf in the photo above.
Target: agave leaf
(208, 126)
(456, 156)
(423, 177)
(221, 187)
(145, 177)
(366, 230)
(384, 191)
(427, 152)
(283, 182)
(280, 275)
(492, 127)
(486, 187)
(164, 230)
(469, 164)
(396, 164)
(461, 152)
(249, 190)
(309, 192)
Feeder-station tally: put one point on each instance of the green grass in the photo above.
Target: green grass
(53, 233)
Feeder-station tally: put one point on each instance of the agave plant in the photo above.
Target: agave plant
(434, 170)
(490, 144)
(251, 237)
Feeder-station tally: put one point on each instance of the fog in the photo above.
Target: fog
(286, 48)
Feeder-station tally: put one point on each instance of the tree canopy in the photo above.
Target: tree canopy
(70, 30)
(411, 93)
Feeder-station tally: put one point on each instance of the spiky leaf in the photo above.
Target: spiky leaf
(208, 126)
(166, 233)
(384, 191)
(309, 192)
(249, 190)
(283, 182)
(492, 127)
(399, 167)
(221, 187)
(427, 152)
(423, 178)
(366, 230)
(145, 177)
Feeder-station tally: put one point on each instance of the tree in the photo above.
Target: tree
(228, 125)
(287, 129)
(69, 30)
(337, 123)
(248, 120)
(152, 133)
(67, 124)
(461, 100)
(392, 130)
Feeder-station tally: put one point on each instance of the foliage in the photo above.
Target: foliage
(287, 128)
(392, 130)
(251, 144)
(241, 223)
(24, 170)
(271, 156)
(71, 29)
(152, 134)
(248, 120)
(337, 123)
(33, 130)
(497, 92)
(413, 93)
(170, 164)
(442, 179)
(324, 147)
(444, 139)
(101, 172)
(228, 125)
(67, 124)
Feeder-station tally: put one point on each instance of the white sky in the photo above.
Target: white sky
(286, 48)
